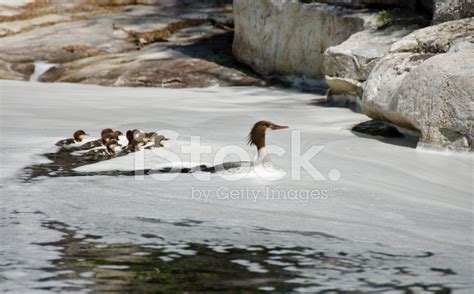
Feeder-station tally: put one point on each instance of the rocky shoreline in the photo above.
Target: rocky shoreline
(124, 43)
(407, 63)
(383, 54)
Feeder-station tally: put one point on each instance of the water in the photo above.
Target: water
(159, 265)
(89, 264)
(40, 68)
(398, 220)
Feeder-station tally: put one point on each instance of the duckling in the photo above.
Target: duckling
(78, 137)
(109, 136)
(135, 140)
(113, 147)
(159, 140)
(106, 131)
(106, 135)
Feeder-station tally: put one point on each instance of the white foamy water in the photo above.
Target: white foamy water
(392, 206)
(40, 68)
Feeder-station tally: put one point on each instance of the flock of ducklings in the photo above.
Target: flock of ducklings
(112, 142)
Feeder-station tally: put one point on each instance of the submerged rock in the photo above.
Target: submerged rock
(377, 128)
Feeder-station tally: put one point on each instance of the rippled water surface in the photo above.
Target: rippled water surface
(396, 219)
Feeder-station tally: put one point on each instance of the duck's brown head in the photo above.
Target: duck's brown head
(129, 135)
(79, 135)
(138, 135)
(118, 133)
(107, 137)
(150, 136)
(257, 134)
(106, 131)
(112, 146)
(159, 140)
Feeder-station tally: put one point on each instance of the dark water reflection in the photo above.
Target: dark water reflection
(63, 162)
(161, 267)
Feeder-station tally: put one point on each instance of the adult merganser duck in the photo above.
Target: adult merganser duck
(78, 136)
(256, 137)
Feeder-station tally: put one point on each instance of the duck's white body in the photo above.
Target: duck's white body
(263, 157)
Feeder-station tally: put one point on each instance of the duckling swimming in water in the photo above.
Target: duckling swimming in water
(159, 140)
(136, 140)
(109, 136)
(78, 137)
(106, 131)
(113, 147)
(106, 135)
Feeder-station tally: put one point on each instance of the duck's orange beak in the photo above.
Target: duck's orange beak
(277, 127)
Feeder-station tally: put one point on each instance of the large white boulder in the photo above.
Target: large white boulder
(356, 57)
(426, 83)
(432, 95)
(289, 37)
(439, 38)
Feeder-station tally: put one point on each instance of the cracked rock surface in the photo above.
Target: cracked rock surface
(123, 43)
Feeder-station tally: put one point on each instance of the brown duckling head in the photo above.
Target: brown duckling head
(107, 137)
(129, 135)
(159, 140)
(112, 146)
(138, 135)
(79, 135)
(149, 136)
(106, 131)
